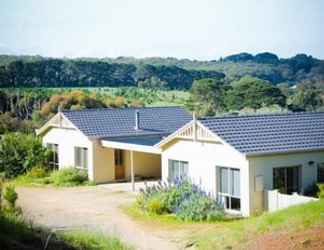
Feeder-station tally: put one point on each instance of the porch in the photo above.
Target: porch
(133, 159)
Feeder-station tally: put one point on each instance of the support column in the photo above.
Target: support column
(132, 170)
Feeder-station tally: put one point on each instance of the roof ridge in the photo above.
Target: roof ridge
(260, 115)
(125, 108)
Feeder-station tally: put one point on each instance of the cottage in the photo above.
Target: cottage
(236, 159)
(112, 144)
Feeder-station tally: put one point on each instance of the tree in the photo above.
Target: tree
(152, 83)
(20, 152)
(306, 98)
(251, 92)
(207, 95)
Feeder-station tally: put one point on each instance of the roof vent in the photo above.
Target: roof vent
(137, 117)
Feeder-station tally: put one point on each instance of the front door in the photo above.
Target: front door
(119, 164)
(286, 179)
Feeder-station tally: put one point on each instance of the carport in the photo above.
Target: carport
(135, 155)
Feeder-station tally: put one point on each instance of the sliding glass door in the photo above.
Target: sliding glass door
(229, 188)
(286, 179)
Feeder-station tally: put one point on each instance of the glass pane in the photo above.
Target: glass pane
(85, 158)
(235, 203)
(171, 170)
(235, 182)
(320, 173)
(279, 179)
(292, 180)
(183, 169)
(224, 180)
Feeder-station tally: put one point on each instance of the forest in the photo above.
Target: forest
(33, 87)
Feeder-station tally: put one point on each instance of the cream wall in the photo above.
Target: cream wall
(145, 164)
(103, 160)
(263, 166)
(203, 157)
(101, 163)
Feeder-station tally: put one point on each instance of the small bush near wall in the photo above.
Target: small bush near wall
(69, 176)
(321, 191)
(183, 198)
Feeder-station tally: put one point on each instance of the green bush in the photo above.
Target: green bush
(1, 187)
(37, 172)
(183, 198)
(321, 191)
(157, 204)
(68, 177)
(199, 208)
(11, 196)
(19, 153)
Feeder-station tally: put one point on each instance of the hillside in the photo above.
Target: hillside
(171, 73)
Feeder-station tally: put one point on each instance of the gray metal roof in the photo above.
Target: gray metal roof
(111, 122)
(270, 133)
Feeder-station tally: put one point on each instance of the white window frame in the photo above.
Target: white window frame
(181, 165)
(83, 158)
(222, 196)
(54, 147)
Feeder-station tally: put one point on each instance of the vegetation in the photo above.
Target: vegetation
(21, 152)
(92, 241)
(250, 94)
(184, 199)
(10, 196)
(46, 72)
(17, 234)
(65, 177)
(320, 193)
(228, 235)
(68, 177)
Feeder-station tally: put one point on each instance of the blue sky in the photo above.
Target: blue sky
(196, 29)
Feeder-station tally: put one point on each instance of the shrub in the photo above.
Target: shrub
(37, 172)
(1, 187)
(11, 196)
(68, 177)
(157, 204)
(19, 153)
(199, 207)
(183, 198)
(321, 191)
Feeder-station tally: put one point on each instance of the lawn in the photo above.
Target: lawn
(236, 234)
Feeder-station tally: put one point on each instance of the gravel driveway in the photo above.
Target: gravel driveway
(92, 208)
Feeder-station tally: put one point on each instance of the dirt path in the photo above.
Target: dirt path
(93, 208)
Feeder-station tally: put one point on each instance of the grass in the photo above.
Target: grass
(16, 234)
(93, 240)
(67, 177)
(163, 220)
(237, 233)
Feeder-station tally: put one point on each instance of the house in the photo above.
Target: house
(112, 144)
(235, 159)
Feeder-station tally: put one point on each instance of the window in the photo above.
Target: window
(177, 169)
(81, 157)
(286, 179)
(320, 173)
(118, 157)
(229, 188)
(54, 161)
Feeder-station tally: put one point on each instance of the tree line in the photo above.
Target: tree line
(250, 94)
(47, 72)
